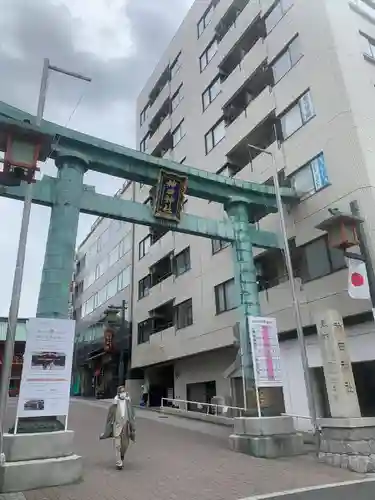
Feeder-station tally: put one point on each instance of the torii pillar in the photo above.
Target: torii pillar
(53, 301)
(43, 455)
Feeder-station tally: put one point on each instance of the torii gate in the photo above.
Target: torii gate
(74, 153)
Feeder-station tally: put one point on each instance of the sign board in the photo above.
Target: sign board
(266, 351)
(338, 373)
(47, 368)
(170, 195)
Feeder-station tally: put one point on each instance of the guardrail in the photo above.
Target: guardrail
(208, 408)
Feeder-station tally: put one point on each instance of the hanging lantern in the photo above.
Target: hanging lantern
(341, 230)
(22, 150)
(108, 339)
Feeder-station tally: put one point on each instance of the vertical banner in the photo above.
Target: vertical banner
(266, 351)
(47, 368)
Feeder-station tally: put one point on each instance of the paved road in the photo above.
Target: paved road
(170, 462)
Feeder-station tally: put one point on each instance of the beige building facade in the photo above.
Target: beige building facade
(295, 78)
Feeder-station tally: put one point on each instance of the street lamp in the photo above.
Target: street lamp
(296, 304)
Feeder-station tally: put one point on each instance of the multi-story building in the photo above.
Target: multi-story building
(103, 278)
(292, 77)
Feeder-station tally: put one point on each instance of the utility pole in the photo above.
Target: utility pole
(121, 368)
(18, 273)
(296, 304)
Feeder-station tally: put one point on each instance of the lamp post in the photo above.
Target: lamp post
(24, 149)
(296, 304)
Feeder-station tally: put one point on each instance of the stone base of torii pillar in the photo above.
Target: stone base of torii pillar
(39, 460)
(266, 437)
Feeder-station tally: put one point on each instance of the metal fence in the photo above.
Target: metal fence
(207, 408)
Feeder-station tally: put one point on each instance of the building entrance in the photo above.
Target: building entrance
(161, 384)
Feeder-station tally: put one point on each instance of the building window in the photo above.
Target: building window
(125, 245)
(286, 60)
(178, 134)
(211, 92)
(298, 115)
(218, 245)
(311, 178)
(112, 288)
(205, 20)
(144, 246)
(123, 279)
(144, 331)
(143, 115)
(208, 54)
(143, 145)
(214, 136)
(182, 262)
(225, 296)
(176, 65)
(277, 13)
(177, 98)
(319, 259)
(144, 286)
(184, 314)
(114, 255)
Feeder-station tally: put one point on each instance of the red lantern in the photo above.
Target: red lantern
(20, 159)
(108, 339)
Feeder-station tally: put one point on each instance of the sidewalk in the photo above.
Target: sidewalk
(170, 462)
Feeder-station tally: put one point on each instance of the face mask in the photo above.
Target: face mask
(122, 395)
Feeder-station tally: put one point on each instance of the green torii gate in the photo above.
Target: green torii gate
(74, 153)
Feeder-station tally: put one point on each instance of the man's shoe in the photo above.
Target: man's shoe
(119, 465)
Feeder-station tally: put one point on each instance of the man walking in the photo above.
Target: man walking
(120, 425)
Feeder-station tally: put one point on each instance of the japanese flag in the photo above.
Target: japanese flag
(358, 283)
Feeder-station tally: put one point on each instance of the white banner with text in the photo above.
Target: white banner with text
(47, 368)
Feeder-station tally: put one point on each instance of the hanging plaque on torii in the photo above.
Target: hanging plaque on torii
(170, 194)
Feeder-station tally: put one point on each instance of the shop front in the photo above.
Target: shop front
(102, 364)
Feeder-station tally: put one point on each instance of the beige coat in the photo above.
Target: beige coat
(115, 422)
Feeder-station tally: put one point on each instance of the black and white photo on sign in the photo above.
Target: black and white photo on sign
(44, 360)
(33, 405)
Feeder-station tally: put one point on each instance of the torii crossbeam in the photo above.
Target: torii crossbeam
(75, 153)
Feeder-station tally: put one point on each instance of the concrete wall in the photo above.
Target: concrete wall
(361, 345)
(203, 368)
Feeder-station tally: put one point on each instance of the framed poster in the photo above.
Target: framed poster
(47, 368)
(266, 351)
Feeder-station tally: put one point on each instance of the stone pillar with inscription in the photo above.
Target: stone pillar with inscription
(347, 439)
(338, 373)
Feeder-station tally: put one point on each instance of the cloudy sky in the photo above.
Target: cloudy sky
(115, 42)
